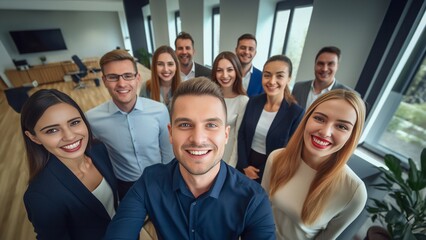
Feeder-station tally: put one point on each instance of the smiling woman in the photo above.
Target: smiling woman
(270, 118)
(67, 171)
(313, 167)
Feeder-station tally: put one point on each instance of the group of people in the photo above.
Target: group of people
(225, 153)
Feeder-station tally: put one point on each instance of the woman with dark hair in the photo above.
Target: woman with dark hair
(314, 194)
(72, 192)
(269, 120)
(165, 76)
(227, 74)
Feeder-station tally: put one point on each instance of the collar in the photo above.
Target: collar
(112, 108)
(325, 89)
(193, 66)
(214, 191)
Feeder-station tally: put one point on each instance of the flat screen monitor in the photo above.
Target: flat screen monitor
(32, 41)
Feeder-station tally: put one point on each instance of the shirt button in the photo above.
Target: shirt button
(192, 230)
(194, 203)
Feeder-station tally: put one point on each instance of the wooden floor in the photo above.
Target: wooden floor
(14, 224)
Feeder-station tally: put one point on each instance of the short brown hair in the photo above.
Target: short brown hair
(328, 49)
(247, 36)
(184, 35)
(117, 55)
(198, 86)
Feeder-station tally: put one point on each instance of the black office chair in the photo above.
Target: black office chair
(16, 97)
(83, 71)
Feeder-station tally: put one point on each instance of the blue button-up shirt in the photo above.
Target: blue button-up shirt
(234, 207)
(134, 140)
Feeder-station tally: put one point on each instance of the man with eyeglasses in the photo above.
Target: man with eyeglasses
(134, 129)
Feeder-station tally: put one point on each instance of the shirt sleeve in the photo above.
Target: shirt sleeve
(260, 222)
(164, 141)
(48, 219)
(130, 217)
(341, 221)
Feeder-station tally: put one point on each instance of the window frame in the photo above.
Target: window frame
(215, 11)
(177, 16)
(379, 78)
(151, 38)
(283, 6)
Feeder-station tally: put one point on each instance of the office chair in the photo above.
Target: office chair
(16, 97)
(83, 71)
(21, 64)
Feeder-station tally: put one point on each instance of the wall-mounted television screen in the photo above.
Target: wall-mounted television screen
(32, 41)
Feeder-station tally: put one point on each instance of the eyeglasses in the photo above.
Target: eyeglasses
(116, 77)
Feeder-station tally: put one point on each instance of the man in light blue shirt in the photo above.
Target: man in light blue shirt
(134, 129)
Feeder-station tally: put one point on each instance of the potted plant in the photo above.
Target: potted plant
(144, 57)
(43, 59)
(403, 210)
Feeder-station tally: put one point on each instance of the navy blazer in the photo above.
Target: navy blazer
(61, 207)
(255, 85)
(282, 128)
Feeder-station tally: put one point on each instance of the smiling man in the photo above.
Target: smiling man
(246, 51)
(184, 48)
(196, 195)
(326, 65)
(134, 129)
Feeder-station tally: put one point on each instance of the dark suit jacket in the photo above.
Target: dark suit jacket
(301, 91)
(282, 128)
(255, 85)
(61, 207)
(202, 71)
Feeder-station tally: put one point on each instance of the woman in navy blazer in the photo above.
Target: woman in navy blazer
(269, 120)
(72, 191)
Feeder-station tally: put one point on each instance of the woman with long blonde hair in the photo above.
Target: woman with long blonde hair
(314, 194)
(165, 76)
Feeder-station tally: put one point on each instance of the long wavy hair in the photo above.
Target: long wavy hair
(32, 111)
(289, 98)
(153, 85)
(329, 172)
(237, 87)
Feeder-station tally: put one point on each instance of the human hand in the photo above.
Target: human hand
(251, 172)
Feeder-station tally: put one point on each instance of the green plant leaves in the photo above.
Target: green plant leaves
(404, 208)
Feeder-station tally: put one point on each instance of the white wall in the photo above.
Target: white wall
(5, 62)
(87, 34)
(193, 18)
(350, 25)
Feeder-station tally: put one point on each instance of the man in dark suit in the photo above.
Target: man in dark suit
(252, 77)
(184, 48)
(326, 65)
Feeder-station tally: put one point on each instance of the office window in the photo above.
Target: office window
(398, 124)
(177, 23)
(291, 24)
(151, 46)
(215, 32)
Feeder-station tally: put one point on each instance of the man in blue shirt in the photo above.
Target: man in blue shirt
(196, 195)
(134, 129)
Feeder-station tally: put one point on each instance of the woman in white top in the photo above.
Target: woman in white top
(270, 118)
(165, 77)
(227, 74)
(314, 194)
